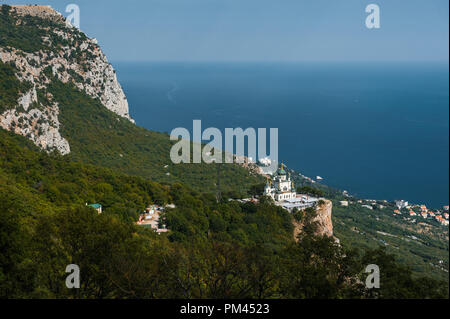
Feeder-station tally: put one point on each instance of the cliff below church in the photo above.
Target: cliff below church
(323, 220)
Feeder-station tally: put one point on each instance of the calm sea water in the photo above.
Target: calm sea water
(377, 130)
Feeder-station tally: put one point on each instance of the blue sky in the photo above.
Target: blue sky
(264, 30)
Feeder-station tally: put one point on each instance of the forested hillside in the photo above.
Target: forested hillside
(422, 246)
(220, 250)
(99, 136)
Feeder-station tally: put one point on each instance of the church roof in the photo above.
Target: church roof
(281, 170)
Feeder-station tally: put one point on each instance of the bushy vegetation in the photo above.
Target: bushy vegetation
(310, 191)
(10, 87)
(49, 181)
(365, 229)
(101, 137)
(214, 250)
(31, 34)
(22, 33)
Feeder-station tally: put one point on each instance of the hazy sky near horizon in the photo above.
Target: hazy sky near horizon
(263, 30)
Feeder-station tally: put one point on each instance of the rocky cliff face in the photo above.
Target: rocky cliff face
(323, 219)
(57, 51)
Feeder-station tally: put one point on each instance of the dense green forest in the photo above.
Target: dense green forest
(99, 136)
(214, 250)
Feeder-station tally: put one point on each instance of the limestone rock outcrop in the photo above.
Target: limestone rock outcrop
(323, 219)
(72, 57)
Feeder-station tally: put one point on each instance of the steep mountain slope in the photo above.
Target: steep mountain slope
(32, 46)
(58, 90)
(38, 183)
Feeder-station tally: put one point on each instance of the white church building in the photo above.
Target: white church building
(282, 190)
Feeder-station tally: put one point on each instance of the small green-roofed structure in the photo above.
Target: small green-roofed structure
(97, 207)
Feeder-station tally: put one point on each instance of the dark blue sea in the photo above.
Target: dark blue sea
(378, 130)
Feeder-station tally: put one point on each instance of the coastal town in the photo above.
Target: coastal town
(404, 208)
(411, 213)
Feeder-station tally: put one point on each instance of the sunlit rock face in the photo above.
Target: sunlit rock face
(69, 56)
(323, 220)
